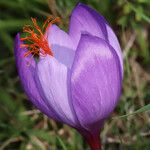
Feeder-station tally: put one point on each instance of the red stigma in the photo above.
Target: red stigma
(38, 44)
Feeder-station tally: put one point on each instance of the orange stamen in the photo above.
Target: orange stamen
(38, 44)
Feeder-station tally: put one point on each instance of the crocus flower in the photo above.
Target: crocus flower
(77, 78)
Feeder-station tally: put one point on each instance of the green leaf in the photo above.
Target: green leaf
(61, 143)
(13, 24)
(143, 109)
(40, 134)
(7, 39)
(139, 12)
(7, 101)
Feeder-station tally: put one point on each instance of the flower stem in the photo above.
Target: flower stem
(94, 142)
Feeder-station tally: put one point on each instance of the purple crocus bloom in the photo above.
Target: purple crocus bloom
(77, 78)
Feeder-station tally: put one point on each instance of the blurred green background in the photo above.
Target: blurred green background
(22, 127)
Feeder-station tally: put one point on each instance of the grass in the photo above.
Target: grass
(22, 127)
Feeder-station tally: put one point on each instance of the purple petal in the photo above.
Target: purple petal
(56, 36)
(54, 77)
(95, 81)
(61, 45)
(86, 20)
(83, 22)
(26, 70)
(113, 41)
